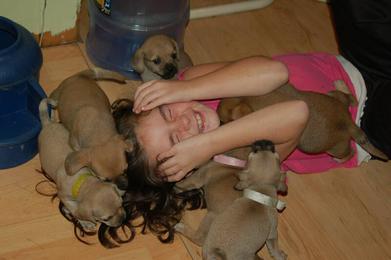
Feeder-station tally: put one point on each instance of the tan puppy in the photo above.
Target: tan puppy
(159, 57)
(85, 111)
(236, 227)
(87, 198)
(330, 126)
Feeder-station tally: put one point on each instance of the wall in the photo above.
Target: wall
(57, 17)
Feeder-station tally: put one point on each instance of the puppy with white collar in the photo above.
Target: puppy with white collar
(159, 57)
(87, 198)
(238, 224)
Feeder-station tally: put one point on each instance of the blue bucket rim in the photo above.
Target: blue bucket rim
(6, 24)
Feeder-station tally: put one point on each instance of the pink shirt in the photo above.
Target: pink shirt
(316, 72)
(312, 72)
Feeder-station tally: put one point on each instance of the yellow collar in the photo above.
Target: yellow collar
(77, 184)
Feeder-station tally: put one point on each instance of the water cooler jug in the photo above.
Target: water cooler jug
(119, 27)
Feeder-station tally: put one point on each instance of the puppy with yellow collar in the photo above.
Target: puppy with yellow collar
(84, 196)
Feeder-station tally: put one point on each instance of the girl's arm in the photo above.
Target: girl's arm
(281, 123)
(252, 76)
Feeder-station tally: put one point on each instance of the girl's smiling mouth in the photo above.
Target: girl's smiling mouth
(200, 122)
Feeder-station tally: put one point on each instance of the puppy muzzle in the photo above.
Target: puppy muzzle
(170, 70)
(262, 145)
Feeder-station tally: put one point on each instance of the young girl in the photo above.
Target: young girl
(178, 134)
(191, 131)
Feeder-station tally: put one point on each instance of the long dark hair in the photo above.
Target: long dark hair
(150, 204)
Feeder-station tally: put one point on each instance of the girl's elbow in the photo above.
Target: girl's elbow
(281, 71)
(301, 111)
(276, 68)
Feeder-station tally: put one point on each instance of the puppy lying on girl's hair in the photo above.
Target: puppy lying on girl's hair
(84, 109)
(236, 226)
(84, 196)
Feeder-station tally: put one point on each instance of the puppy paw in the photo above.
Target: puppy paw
(87, 226)
(282, 187)
(341, 86)
(244, 180)
(241, 185)
(280, 255)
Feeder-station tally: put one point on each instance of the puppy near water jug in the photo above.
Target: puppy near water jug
(84, 109)
(237, 224)
(330, 127)
(84, 196)
(160, 57)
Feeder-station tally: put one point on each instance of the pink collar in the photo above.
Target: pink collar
(229, 160)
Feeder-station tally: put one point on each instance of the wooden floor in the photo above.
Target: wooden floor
(341, 214)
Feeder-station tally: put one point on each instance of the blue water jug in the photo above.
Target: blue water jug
(118, 28)
(20, 94)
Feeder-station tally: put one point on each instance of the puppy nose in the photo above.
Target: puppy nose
(169, 71)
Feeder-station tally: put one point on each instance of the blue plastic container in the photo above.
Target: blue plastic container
(119, 27)
(20, 94)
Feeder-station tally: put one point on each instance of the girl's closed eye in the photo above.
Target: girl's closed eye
(169, 114)
(166, 113)
(175, 138)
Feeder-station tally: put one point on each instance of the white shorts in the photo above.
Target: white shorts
(361, 95)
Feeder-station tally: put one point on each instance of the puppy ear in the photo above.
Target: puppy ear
(76, 160)
(138, 61)
(176, 47)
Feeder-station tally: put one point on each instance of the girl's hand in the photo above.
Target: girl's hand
(184, 157)
(158, 92)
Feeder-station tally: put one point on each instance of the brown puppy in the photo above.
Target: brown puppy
(84, 110)
(330, 126)
(87, 198)
(159, 57)
(235, 226)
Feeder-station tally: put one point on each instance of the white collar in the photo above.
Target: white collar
(264, 199)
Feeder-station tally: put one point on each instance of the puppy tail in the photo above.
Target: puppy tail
(361, 138)
(102, 74)
(44, 113)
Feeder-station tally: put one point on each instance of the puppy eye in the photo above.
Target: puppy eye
(157, 61)
(174, 56)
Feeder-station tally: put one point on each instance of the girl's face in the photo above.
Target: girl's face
(167, 125)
